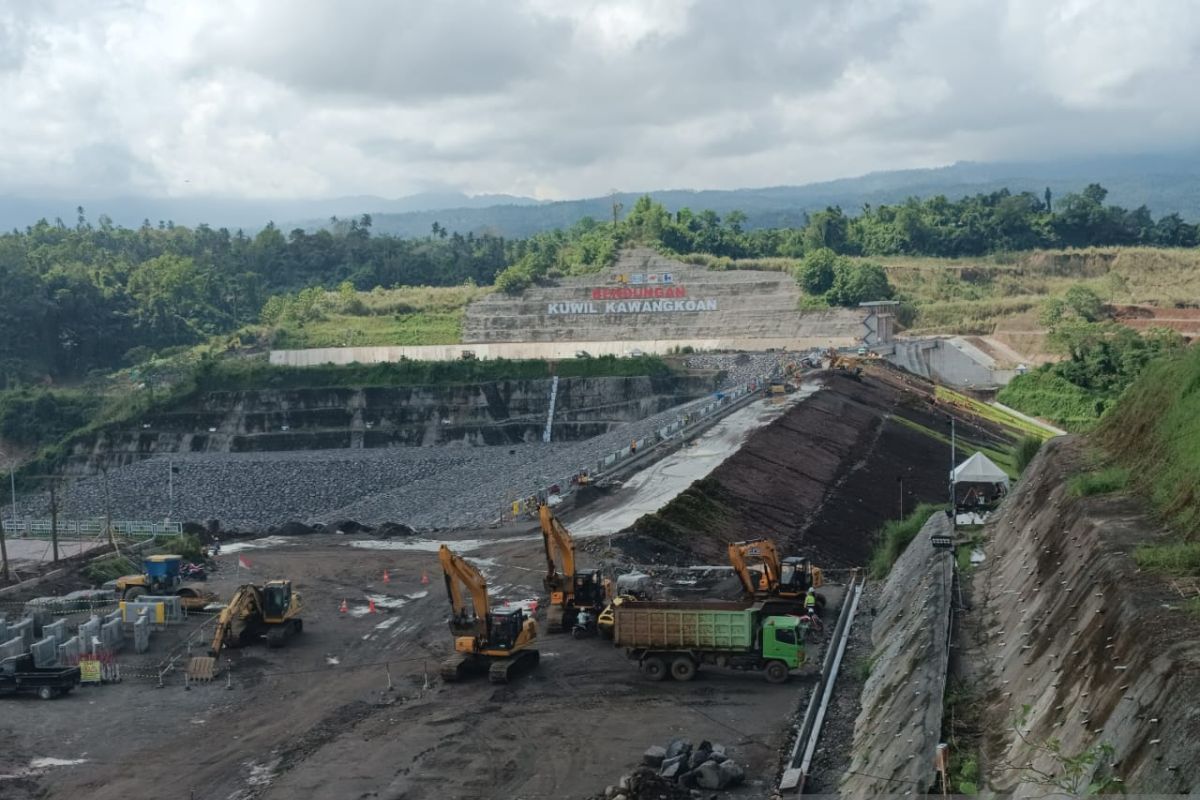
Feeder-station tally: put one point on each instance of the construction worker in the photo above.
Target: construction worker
(810, 602)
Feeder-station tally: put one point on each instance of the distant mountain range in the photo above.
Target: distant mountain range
(1164, 183)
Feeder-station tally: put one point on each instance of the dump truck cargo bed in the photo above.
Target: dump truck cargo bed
(686, 626)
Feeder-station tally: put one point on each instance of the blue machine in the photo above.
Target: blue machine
(162, 571)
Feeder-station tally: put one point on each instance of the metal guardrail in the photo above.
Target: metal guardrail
(792, 781)
(41, 528)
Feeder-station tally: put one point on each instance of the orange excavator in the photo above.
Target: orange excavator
(571, 591)
(787, 578)
(499, 640)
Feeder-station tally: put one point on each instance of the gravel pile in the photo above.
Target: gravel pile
(443, 487)
(739, 368)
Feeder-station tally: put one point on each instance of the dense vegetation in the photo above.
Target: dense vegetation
(1154, 433)
(1102, 359)
(74, 299)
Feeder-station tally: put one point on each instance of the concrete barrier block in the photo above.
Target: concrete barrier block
(12, 648)
(23, 629)
(56, 630)
(45, 652)
(114, 616)
(141, 634)
(70, 651)
(111, 634)
(4, 637)
(172, 606)
(88, 631)
(131, 612)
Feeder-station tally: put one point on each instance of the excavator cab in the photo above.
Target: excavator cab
(589, 588)
(506, 625)
(277, 599)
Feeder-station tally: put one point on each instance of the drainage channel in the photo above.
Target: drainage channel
(791, 783)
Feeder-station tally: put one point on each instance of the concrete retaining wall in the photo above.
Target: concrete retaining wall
(953, 361)
(898, 729)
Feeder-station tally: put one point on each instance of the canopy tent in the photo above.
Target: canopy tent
(979, 469)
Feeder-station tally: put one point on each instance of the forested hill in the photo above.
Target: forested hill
(1164, 184)
(93, 296)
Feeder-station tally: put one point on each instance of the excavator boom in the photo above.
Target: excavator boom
(558, 543)
(460, 574)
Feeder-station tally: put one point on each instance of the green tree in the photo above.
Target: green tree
(815, 271)
(858, 283)
(1086, 304)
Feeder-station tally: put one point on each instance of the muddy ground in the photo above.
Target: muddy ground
(317, 719)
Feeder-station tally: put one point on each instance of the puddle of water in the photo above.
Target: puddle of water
(431, 546)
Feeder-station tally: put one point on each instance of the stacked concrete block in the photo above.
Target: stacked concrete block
(56, 631)
(111, 635)
(4, 637)
(45, 652)
(13, 648)
(172, 606)
(23, 629)
(114, 616)
(88, 631)
(132, 611)
(70, 651)
(141, 634)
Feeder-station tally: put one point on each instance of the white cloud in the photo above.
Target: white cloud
(274, 98)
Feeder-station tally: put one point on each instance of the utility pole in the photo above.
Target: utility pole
(108, 513)
(3, 551)
(170, 489)
(54, 518)
(953, 458)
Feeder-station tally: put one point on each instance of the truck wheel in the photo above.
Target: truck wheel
(683, 669)
(45, 692)
(777, 672)
(655, 668)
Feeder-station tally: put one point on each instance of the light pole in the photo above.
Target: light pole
(3, 543)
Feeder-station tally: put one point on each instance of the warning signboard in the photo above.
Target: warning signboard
(89, 671)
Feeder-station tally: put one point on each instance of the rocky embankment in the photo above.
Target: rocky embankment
(1075, 645)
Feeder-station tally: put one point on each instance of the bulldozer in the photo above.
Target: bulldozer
(570, 591)
(778, 579)
(161, 576)
(271, 610)
(499, 640)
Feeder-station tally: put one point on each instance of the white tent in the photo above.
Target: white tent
(979, 469)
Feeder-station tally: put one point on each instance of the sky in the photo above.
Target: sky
(558, 99)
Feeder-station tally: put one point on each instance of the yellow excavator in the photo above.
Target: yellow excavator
(787, 578)
(497, 639)
(271, 610)
(570, 591)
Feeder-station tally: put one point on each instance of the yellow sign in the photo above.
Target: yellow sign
(89, 671)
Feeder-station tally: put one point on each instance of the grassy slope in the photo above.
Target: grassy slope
(1154, 431)
(406, 315)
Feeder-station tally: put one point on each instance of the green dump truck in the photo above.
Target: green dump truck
(676, 638)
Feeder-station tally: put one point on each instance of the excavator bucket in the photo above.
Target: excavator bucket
(202, 668)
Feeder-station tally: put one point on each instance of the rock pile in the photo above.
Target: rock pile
(678, 771)
(739, 368)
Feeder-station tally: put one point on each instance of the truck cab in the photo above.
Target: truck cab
(783, 640)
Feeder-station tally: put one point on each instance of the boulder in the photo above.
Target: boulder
(653, 757)
(678, 747)
(708, 776)
(699, 756)
(732, 773)
(671, 767)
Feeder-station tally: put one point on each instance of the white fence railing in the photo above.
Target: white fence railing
(40, 528)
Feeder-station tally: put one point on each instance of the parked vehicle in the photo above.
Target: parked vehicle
(19, 675)
(676, 638)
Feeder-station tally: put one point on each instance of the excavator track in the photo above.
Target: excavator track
(503, 670)
(454, 668)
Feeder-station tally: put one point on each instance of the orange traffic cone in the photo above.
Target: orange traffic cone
(344, 607)
(370, 606)
(424, 579)
(386, 578)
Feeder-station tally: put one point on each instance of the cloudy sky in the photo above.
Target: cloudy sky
(555, 98)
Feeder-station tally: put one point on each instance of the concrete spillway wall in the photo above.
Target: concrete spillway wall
(493, 413)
